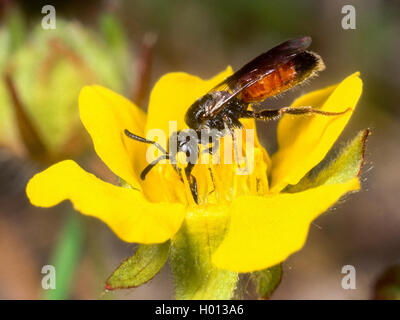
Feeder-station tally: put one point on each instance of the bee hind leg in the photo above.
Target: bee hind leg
(274, 114)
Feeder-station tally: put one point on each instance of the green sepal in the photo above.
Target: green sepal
(267, 280)
(195, 277)
(344, 167)
(140, 268)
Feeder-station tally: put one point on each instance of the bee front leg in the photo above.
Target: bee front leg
(192, 182)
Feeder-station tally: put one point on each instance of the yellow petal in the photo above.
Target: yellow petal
(125, 211)
(305, 140)
(106, 115)
(173, 94)
(266, 230)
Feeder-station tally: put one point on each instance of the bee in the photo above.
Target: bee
(218, 112)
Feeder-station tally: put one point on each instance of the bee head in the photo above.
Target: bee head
(196, 116)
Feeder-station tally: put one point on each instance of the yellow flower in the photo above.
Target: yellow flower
(251, 222)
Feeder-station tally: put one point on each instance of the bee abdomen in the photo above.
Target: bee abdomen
(284, 77)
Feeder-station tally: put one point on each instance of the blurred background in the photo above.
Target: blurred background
(127, 46)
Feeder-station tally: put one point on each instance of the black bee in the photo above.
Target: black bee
(218, 112)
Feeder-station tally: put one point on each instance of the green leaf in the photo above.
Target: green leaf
(267, 280)
(344, 167)
(140, 268)
(195, 277)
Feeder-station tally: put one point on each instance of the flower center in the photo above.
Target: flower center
(219, 183)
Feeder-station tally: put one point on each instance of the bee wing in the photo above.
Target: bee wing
(257, 69)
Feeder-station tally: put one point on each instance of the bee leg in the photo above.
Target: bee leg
(213, 149)
(192, 182)
(274, 114)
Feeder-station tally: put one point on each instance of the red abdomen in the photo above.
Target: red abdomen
(274, 83)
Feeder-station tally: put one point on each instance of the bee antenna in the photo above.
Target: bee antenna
(141, 139)
(151, 166)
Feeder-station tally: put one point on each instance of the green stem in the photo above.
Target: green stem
(66, 257)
